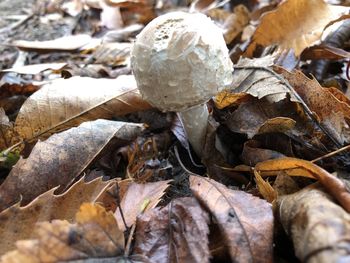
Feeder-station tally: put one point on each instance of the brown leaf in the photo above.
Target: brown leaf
(332, 112)
(295, 24)
(45, 207)
(95, 235)
(246, 221)
(232, 24)
(136, 197)
(297, 167)
(253, 153)
(175, 233)
(318, 227)
(324, 52)
(61, 159)
(68, 102)
(67, 43)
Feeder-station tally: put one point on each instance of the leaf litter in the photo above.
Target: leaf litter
(71, 111)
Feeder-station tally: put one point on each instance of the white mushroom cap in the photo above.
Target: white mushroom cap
(180, 60)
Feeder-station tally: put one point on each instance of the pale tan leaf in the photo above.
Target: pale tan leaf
(65, 103)
(132, 204)
(182, 222)
(62, 158)
(18, 223)
(319, 228)
(245, 221)
(36, 68)
(295, 24)
(67, 43)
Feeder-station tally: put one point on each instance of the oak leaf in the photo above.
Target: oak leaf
(17, 222)
(295, 24)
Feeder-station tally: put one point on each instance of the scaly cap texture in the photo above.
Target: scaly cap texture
(180, 60)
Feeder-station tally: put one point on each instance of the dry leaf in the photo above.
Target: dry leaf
(297, 167)
(68, 102)
(67, 43)
(324, 52)
(254, 77)
(295, 24)
(175, 233)
(112, 54)
(18, 222)
(253, 153)
(265, 189)
(61, 159)
(131, 204)
(332, 112)
(36, 68)
(246, 221)
(318, 227)
(95, 235)
(6, 130)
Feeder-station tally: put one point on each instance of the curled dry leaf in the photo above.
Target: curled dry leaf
(147, 197)
(319, 228)
(254, 77)
(18, 223)
(95, 235)
(61, 159)
(333, 113)
(282, 26)
(297, 167)
(68, 102)
(175, 233)
(245, 221)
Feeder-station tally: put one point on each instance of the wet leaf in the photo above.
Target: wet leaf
(68, 102)
(131, 203)
(245, 221)
(61, 159)
(295, 24)
(46, 207)
(175, 233)
(318, 227)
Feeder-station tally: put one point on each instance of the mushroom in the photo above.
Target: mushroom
(180, 60)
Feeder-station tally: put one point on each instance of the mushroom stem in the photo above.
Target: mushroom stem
(195, 121)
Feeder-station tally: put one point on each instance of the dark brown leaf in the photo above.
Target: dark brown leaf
(245, 221)
(175, 233)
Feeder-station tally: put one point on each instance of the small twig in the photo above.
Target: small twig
(16, 24)
(295, 94)
(331, 153)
